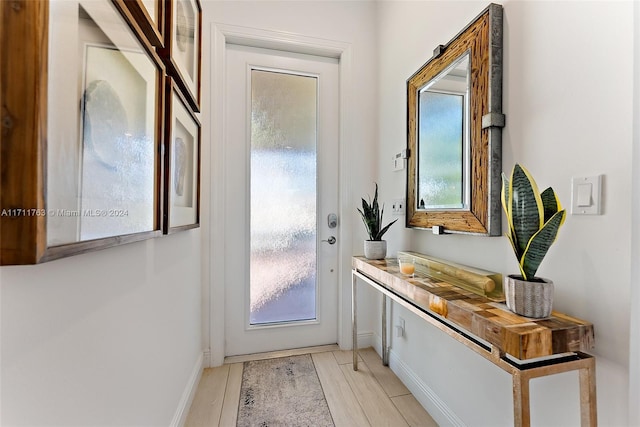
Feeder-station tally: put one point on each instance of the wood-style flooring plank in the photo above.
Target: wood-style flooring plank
(354, 398)
(280, 353)
(343, 404)
(377, 406)
(229, 415)
(385, 376)
(413, 412)
(345, 356)
(207, 403)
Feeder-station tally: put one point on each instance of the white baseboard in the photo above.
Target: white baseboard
(366, 339)
(439, 410)
(188, 394)
(206, 359)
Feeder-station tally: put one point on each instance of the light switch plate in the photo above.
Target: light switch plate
(399, 164)
(400, 160)
(586, 195)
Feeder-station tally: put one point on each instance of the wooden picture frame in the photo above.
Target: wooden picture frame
(481, 41)
(37, 195)
(149, 15)
(182, 49)
(181, 163)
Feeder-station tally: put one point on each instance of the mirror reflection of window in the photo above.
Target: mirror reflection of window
(440, 170)
(443, 162)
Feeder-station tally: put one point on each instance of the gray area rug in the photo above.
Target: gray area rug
(282, 392)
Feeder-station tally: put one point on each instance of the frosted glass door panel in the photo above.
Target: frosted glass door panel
(283, 197)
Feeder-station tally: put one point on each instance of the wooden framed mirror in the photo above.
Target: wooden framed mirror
(454, 132)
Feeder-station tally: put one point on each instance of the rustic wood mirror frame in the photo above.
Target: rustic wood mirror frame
(482, 38)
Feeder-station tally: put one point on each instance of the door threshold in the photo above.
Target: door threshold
(280, 353)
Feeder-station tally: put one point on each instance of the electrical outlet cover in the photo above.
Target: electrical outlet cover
(398, 207)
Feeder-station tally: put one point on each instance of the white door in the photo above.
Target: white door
(281, 186)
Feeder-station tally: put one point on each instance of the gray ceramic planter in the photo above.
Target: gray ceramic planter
(529, 299)
(375, 249)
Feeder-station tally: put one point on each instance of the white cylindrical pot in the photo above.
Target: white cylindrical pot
(375, 249)
(529, 299)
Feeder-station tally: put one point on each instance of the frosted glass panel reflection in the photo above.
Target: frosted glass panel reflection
(101, 171)
(118, 154)
(441, 150)
(283, 197)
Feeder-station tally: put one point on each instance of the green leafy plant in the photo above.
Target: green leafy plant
(534, 219)
(372, 217)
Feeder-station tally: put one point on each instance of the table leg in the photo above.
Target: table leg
(385, 352)
(354, 321)
(588, 404)
(521, 410)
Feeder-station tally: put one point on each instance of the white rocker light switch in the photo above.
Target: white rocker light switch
(586, 195)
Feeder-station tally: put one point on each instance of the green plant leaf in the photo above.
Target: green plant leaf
(539, 244)
(384, 230)
(365, 209)
(550, 203)
(527, 212)
(372, 215)
(505, 196)
(513, 243)
(369, 219)
(366, 222)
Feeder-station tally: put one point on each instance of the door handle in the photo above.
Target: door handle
(331, 240)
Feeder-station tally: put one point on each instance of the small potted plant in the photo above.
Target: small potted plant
(374, 247)
(534, 219)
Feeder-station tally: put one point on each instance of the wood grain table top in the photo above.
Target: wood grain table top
(521, 337)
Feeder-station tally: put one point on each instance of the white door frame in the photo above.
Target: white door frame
(214, 276)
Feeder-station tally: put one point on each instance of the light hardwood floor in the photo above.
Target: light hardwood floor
(372, 396)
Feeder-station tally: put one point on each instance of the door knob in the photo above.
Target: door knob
(331, 240)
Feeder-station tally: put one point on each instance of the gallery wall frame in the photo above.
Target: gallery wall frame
(149, 15)
(34, 206)
(182, 49)
(181, 162)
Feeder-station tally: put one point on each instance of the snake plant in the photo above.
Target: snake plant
(372, 217)
(534, 219)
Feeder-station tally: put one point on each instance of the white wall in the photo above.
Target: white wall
(568, 81)
(351, 23)
(106, 338)
(634, 360)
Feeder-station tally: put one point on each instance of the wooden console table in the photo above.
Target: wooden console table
(525, 348)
